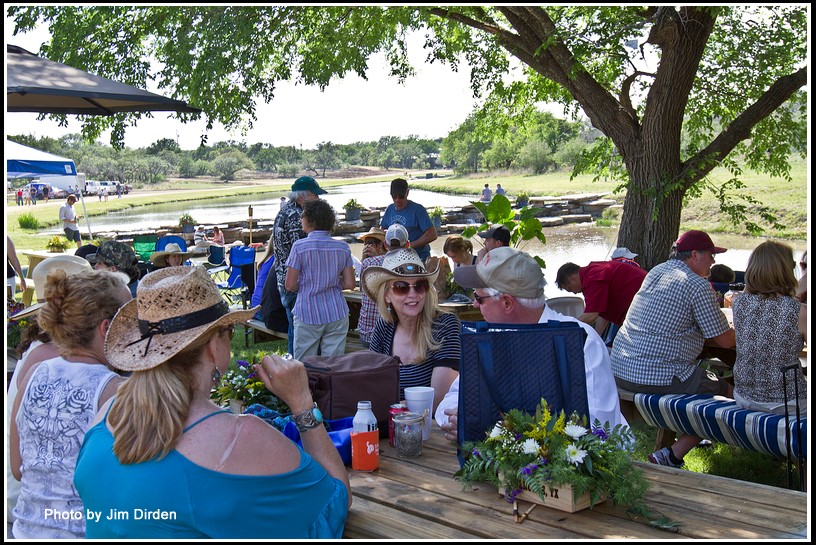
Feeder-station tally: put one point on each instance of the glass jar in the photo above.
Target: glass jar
(408, 434)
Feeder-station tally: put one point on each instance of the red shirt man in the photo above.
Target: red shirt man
(608, 288)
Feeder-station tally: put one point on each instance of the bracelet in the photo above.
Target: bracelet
(308, 419)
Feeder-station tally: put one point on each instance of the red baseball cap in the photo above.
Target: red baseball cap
(697, 240)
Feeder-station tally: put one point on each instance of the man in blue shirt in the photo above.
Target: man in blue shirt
(414, 217)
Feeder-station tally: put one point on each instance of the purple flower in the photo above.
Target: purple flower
(511, 496)
(519, 436)
(252, 375)
(528, 469)
(475, 452)
(601, 433)
(242, 363)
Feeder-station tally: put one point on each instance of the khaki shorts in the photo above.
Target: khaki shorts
(700, 382)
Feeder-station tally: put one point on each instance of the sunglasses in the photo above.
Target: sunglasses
(480, 298)
(402, 288)
(229, 330)
(398, 195)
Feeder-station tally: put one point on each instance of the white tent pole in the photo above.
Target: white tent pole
(80, 184)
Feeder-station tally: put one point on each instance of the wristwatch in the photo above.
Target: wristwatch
(308, 419)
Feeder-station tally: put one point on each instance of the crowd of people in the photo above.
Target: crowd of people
(116, 371)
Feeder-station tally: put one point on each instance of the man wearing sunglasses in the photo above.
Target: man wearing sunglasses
(413, 216)
(509, 289)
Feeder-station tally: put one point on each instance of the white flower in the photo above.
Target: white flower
(575, 455)
(496, 431)
(530, 446)
(574, 431)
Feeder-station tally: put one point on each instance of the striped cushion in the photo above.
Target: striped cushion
(721, 419)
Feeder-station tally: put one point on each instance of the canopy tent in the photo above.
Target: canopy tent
(25, 162)
(35, 84)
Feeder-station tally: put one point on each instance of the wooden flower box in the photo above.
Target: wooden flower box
(560, 498)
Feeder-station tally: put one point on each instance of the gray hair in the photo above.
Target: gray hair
(295, 195)
(526, 302)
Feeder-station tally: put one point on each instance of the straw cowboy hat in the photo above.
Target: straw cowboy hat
(173, 308)
(397, 264)
(71, 264)
(374, 232)
(159, 259)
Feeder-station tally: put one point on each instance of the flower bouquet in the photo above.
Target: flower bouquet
(241, 384)
(545, 453)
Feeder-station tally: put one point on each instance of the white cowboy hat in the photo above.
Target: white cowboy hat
(403, 263)
(71, 264)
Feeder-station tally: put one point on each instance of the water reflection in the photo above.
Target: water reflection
(232, 209)
(578, 243)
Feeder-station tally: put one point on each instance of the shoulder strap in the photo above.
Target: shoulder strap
(113, 400)
(203, 418)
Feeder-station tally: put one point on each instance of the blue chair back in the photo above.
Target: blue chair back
(215, 254)
(167, 239)
(241, 255)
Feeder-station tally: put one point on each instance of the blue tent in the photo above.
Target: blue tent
(25, 162)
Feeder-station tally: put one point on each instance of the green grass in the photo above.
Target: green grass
(786, 198)
(720, 459)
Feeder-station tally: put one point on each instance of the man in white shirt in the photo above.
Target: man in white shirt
(509, 289)
(69, 220)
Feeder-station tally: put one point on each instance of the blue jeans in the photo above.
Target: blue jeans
(288, 299)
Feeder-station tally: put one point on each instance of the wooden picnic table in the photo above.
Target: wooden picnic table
(418, 498)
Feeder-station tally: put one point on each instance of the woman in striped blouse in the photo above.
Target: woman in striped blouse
(411, 326)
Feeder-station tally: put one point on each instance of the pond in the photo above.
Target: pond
(577, 243)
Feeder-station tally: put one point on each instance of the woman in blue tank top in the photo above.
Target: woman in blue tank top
(164, 462)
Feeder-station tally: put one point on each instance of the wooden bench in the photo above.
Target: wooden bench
(261, 333)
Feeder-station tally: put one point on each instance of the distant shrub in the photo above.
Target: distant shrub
(28, 221)
(288, 170)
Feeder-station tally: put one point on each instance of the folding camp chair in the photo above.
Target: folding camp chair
(216, 264)
(144, 246)
(162, 243)
(236, 286)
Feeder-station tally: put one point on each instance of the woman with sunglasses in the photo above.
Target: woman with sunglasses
(167, 463)
(411, 325)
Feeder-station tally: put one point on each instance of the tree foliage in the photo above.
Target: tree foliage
(731, 78)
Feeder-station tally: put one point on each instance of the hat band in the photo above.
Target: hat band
(180, 323)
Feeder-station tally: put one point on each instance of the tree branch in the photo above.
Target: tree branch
(697, 167)
(625, 98)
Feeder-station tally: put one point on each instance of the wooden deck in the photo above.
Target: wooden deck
(419, 499)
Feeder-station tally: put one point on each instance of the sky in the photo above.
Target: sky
(428, 105)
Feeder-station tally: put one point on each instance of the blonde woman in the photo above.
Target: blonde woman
(771, 329)
(411, 326)
(162, 445)
(58, 399)
(459, 250)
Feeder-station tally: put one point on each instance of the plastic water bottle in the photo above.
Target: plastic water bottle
(365, 439)
(364, 420)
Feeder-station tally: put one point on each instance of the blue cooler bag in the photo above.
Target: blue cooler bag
(514, 366)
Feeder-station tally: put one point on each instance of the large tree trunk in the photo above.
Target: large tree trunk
(648, 237)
